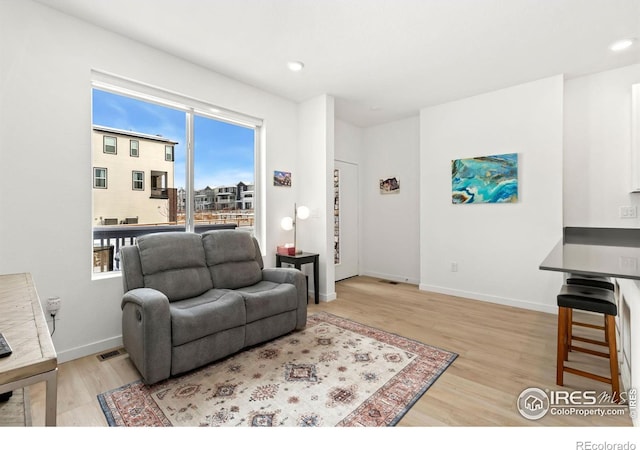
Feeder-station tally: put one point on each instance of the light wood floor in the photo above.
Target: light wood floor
(502, 350)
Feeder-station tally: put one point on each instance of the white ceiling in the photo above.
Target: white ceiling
(382, 59)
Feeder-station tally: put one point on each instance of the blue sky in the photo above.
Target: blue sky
(224, 153)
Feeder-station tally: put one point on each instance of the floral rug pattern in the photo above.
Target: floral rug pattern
(335, 372)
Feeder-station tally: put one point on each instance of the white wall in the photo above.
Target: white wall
(597, 146)
(315, 186)
(348, 142)
(390, 223)
(45, 158)
(498, 247)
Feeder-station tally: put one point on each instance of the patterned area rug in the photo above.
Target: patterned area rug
(335, 372)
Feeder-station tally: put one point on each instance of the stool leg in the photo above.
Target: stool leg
(562, 343)
(567, 347)
(613, 357)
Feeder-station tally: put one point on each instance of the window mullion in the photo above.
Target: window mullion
(190, 206)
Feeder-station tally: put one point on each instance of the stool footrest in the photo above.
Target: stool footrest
(590, 375)
(589, 341)
(588, 325)
(589, 351)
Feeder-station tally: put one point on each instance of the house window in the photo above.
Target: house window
(137, 180)
(159, 184)
(99, 178)
(110, 145)
(168, 152)
(134, 149)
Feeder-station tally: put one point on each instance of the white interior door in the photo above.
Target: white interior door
(346, 220)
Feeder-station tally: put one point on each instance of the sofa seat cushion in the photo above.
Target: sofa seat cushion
(174, 263)
(266, 298)
(214, 311)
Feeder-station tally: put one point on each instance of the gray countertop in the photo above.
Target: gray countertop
(611, 252)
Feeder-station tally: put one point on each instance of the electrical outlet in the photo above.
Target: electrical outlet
(628, 212)
(454, 266)
(53, 305)
(628, 263)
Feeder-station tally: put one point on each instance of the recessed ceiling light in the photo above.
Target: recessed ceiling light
(295, 66)
(621, 45)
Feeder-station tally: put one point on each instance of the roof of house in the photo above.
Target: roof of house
(152, 137)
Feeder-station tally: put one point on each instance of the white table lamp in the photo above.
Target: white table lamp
(289, 223)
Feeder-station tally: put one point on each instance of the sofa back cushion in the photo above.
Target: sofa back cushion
(233, 258)
(174, 263)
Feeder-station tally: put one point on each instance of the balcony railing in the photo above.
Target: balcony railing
(109, 239)
(160, 193)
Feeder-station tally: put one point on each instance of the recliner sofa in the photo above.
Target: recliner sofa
(191, 299)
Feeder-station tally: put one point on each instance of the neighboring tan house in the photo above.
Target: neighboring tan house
(132, 177)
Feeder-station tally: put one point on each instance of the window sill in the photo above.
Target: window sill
(97, 276)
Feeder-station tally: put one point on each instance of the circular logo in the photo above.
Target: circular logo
(533, 403)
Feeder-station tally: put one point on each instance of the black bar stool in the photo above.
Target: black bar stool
(593, 299)
(593, 281)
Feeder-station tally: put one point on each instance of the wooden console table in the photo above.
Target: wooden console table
(23, 324)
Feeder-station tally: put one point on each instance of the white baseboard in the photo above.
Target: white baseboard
(89, 349)
(114, 342)
(390, 277)
(552, 309)
(324, 297)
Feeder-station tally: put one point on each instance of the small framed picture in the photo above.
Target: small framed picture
(281, 178)
(389, 186)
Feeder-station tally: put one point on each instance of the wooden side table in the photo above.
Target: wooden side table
(298, 261)
(24, 326)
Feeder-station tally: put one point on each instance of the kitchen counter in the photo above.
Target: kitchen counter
(610, 252)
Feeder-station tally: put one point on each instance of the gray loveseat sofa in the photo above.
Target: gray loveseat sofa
(191, 299)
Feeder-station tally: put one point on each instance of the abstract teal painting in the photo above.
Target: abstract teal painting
(485, 179)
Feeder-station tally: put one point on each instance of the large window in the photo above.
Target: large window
(159, 184)
(200, 167)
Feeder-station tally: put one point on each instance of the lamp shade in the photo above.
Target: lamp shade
(303, 212)
(286, 223)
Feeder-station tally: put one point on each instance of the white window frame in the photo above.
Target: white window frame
(137, 148)
(168, 153)
(104, 144)
(134, 180)
(96, 178)
(146, 92)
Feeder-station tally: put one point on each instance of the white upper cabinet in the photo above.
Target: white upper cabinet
(635, 138)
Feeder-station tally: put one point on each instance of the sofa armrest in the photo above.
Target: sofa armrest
(297, 278)
(146, 332)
